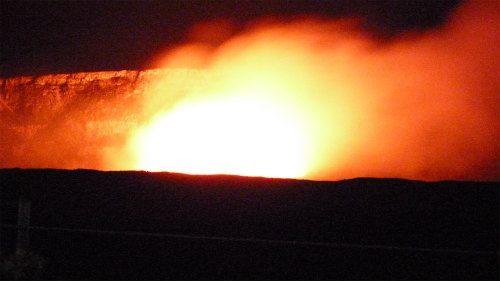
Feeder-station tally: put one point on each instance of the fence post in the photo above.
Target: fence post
(23, 223)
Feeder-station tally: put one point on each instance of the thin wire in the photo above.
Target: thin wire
(257, 240)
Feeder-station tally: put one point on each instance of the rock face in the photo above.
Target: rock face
(70, 120)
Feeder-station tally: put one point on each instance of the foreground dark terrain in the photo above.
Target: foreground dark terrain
(139, 225)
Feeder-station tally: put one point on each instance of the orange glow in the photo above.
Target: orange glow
(230, 136)
(313, 99)
(256, 113)
(305, 98)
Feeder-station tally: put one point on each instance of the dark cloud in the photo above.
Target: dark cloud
(40, 37)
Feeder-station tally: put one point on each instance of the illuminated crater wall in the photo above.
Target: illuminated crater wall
(71, 120)
(309, 98)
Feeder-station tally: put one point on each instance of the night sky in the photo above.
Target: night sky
(42, 37)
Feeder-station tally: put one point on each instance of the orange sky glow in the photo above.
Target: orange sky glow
(312, 98)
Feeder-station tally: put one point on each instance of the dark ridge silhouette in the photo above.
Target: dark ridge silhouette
(422, 230)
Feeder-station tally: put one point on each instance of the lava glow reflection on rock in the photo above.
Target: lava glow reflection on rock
(305, 98)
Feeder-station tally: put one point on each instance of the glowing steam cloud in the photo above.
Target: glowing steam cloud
(316, 99)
